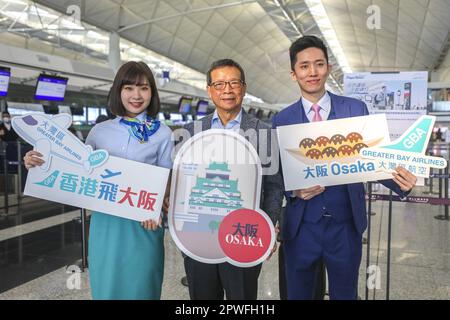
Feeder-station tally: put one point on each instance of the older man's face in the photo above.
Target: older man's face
(226, 90)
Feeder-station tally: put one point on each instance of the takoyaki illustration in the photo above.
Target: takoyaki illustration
(322, 141)
(357, 147)
(337, 139)
(330, 153)
(337, 147)
(307, 144)
(314, 154)
(346, 150)
(354, 137)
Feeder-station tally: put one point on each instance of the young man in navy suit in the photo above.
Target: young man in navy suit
(325, 224)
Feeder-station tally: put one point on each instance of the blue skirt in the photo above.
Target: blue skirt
(126, 261)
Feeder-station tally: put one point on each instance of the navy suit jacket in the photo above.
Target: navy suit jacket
(344, 108)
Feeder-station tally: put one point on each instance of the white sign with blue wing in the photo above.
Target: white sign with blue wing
(76, 175)
(50, 136)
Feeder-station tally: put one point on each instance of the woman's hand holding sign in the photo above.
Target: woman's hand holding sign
(404, 178)
(151, 224)
(309, 193)
(32, 159)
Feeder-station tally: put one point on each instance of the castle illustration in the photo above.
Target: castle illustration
(211, 198)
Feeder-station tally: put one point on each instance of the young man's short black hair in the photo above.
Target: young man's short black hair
(224, 63)
(305, 43)
(133, 73)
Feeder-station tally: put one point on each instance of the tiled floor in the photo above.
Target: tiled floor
(420, 260)
(36, 237)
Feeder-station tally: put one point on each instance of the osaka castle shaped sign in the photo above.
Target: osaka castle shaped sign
(214, 215)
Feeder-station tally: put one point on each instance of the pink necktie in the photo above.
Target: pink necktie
(316, 109)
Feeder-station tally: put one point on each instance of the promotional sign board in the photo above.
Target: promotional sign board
(326, 153)
(214, 215)
(329, 153)
(402, 96)
(76, 175)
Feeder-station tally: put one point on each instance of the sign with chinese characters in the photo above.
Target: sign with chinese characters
(244, 235)
(214, 215)
(408, 151)
(76, 175)
(402, 96)
(326, 153)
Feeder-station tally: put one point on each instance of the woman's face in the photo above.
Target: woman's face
(136, 97)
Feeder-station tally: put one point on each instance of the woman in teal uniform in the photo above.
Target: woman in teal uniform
(126, 258)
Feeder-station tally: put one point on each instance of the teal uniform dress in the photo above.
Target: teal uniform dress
(126, 261)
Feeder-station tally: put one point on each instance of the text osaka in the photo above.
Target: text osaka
(336, 169)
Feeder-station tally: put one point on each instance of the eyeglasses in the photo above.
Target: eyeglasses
(234, 84)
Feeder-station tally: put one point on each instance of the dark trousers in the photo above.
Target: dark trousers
(319, 282)
(338, 244)
(212, 281)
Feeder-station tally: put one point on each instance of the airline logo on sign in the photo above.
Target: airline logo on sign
(408, 151)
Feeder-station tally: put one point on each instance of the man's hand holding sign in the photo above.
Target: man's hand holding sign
(405, 179)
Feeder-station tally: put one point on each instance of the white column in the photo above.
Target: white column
(114, 51)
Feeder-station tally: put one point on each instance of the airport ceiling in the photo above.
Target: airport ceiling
(410, 34)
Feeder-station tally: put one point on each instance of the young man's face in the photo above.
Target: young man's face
(229, 98)
(311, 71)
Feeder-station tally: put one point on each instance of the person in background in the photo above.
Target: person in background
(126, 258)
(167, 120)
(7, 133)
(101, 118)
(439, 135)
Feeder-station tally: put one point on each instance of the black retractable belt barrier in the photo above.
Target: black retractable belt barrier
(445, 216)
(19, 170)
(430, 182)
(369, 219)
(388, 269)
(83, 241)
(423, 200)
(5, 174)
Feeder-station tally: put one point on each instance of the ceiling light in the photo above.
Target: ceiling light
(320, 15)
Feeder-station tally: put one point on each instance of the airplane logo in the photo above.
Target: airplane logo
(49, 136)
(408, 150)
(110, 174)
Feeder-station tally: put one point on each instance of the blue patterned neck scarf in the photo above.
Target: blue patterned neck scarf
(141, 130)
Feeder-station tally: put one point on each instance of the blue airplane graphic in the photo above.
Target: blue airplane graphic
(110, 174)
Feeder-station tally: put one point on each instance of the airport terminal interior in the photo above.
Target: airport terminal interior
(61, 56)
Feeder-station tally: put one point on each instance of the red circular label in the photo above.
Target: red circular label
(244, 235)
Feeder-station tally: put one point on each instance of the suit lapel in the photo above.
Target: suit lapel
(247, 122)
(297, 114)
(206, 122)
(341, 110)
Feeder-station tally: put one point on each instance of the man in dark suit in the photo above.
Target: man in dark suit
(226, 87)
(324, 224)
